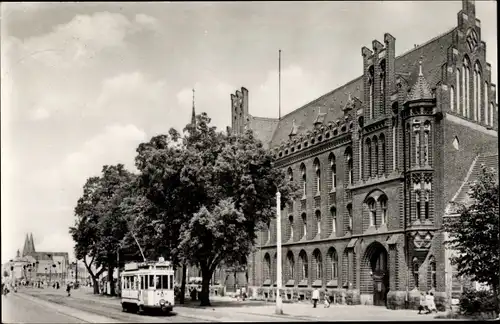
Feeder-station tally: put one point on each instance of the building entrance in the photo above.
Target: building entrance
(380, 275)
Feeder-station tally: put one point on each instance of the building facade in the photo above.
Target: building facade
(379, 161)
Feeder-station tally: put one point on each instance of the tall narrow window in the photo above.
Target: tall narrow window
(370, 82)
(304, 179)
(267, 267)
(350, 170)
(268, 232)
(334, 175)
(382, 152)
(417, 145)
(426, 202)
(467, 88)
(317, 169)
(464, 89)
(417, 200)
(427, 130)
(474, 93)
(492, 113)
(383, 206)
(334, 265)
(415, 272)
(303, 261)
(459, 90)
(478, 99)
(382, 86)
(304, 225)
(360, 156)
(333, 212)
(452, 98)
(318, 260)
(291, 266)
(394, 158)
(375, 149)
(373, 212)
(432, 270)
(290, 175)
(290, 222)
(485, 104)
(349, 215)
(318, 222)
(369, 156)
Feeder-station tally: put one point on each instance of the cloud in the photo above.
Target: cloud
(146, 21)
(39, 113)
(77, 42)
(298, 87)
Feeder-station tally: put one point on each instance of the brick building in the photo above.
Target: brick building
(379, 160)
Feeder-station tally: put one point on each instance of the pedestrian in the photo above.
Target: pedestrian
(68, 289)
(431, 304)
(423, 305)
(315, 297)
(327, 299)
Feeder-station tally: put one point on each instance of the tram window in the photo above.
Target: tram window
(171, 281)
(146, 282)
(158, 282)
(127, 282)
(164, 280)
(142, 282)
(151, 281)
(132, 283)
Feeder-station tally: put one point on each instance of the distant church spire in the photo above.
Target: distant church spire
(26, 245)
(32, 243)
(193, 114)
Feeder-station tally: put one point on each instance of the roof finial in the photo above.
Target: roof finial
(193, 115)
(420, 66)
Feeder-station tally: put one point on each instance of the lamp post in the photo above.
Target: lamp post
(279, 304)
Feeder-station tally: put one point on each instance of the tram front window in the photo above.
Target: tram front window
(151, 281)
(158, 282)
(164, 280)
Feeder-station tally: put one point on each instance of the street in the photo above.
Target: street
(19, 310)
(86, 307)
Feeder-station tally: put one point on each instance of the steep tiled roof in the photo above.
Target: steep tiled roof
(462, 195)
(421, 89)
(433, 55)
(263, 128)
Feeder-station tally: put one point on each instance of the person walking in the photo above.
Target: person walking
(68, 289)
(327, 299)
(423, 304)
(431, 304)
(315, 297)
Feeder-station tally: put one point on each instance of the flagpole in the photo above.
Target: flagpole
(279, 85)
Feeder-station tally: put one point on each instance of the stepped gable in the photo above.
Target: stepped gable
(462, 195)
(434, 54)
(263, 128)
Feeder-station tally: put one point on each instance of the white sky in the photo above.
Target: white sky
(84, 84)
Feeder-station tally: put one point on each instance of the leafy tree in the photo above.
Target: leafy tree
(476, 231)
(233, 183)
(85, 232)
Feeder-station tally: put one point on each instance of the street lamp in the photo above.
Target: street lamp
(279, 304)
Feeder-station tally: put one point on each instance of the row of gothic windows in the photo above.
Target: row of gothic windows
(422, 200)
(460, 100)
(431, 272)
(376, 155)
(331, 173)
(332, 266)
(422, 146)
(372, 207)
(371, 83)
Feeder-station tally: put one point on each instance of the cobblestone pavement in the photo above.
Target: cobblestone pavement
(228, 309)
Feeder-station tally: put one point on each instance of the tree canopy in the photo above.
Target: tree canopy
(476, 231)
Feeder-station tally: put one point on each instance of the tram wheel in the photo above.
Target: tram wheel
(124, 308)
(140, 309)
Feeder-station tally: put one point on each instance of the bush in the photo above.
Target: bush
(475, 303)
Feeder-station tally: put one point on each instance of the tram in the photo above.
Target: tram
(148, 285)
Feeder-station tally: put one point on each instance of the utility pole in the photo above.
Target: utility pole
(279, 304)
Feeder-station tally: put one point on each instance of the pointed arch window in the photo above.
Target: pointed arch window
(334, 264)
(317, 169)
(382, 153)
(333, 212)
(268, 232)
(418, 204)
(304, 179)
(474, 93)
(466, 87)
(427, 131)
(485, 104)
(372, 93)
(394, 153)
(318, 262)
(304, 265)
(382, 85)
(290, 175)
(478, 96)
(348, 159)
(369, 156)
(452, 98)
(304, 225)
(416, 129)
(333, 172)
(416, 267)
(427, 204)
(432, 272)
(372, 208)
(383, 207)
(349, 215)
(492, 112)
(267, 266)
(459, 91)
(291, 266)
(290, 224)
(376, 156)
(318, 222)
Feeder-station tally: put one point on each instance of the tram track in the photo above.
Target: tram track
(115, 311)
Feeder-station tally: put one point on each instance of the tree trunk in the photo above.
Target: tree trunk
(110, 280)
(183, 284)
(205, 287)
(95, 285)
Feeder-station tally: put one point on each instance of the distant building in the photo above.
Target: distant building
(379, 160)
(34, 266)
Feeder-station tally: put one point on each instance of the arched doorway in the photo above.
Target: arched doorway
(377, 258)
